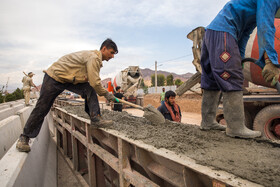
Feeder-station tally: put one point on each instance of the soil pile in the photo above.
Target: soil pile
(254, 160)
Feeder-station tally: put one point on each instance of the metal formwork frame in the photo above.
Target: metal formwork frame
(109, 158)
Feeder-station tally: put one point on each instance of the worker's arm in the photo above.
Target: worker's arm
(32, 84)
(93, 69)
(266, 11)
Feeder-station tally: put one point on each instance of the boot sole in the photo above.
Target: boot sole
(23, 150)
(243, 137)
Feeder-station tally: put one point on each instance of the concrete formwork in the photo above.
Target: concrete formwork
(4, 106)
(10, 129)
(108, 157)
(6, 112)
(24, 114)
(36, 168)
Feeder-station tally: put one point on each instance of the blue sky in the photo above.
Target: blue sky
(34, 34)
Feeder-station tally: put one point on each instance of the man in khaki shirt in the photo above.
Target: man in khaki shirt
(77, 72)
(27, 83)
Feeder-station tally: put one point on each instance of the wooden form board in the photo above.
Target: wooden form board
(108, 157)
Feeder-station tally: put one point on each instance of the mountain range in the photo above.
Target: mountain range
(146, 74)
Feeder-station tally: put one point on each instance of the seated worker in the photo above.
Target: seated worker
(170, 110)
(118, 94)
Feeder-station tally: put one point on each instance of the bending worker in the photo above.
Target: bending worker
(77, 72)
(169, 109)
(223, 48)
(27, 84)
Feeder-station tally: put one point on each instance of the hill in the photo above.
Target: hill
(146, 74)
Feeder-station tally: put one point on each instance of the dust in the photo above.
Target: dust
(254, 160)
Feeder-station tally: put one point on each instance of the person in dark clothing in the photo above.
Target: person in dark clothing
(170, 110)
(118, 94)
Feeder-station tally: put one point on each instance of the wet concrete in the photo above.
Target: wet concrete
(254, 160)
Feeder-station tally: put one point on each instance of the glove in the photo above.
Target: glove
(110, 97)
(270, 72)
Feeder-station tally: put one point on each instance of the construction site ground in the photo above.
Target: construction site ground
(255, 160)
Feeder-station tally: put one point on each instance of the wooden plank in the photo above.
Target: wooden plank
(79, 177)
(74, 147)
(137, 179)
(107, 157)
(168, 175)
(123, 151)
(91, 160)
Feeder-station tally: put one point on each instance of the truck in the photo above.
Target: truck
(129, 80)
(261, 104)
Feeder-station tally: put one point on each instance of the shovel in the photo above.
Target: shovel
(150, 112)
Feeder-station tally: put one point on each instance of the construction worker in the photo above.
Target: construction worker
(169, 109)
(77, 72)
(118, 94)
(222, 50)
(27, 84)
(162, 96)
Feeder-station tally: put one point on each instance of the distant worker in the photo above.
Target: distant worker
(162, 96)
(118, 94)
(27, 84)
(77, 72)
(223, 48)
(169, 109)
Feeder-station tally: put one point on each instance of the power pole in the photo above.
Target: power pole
(156, 76)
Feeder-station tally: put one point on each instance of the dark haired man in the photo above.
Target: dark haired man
(170, 110)
(118, 106)
(77, 72)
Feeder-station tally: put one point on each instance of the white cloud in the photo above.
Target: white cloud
(33, 34)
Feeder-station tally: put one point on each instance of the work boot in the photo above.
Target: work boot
(210, 102)
(98, 121)
(23, 144)
(235, 117)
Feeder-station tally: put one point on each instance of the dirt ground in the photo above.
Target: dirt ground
(187, 102)
(254, 160)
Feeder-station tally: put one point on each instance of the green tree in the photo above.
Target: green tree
(160, 80)
(169, 80)
(142, 83)
(178, 82)
(1, 97)
(18, 94)
(10, 97)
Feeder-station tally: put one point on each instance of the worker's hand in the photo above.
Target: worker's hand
(110, 97)
(270, 72)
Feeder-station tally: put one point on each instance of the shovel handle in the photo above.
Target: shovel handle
(131, 104)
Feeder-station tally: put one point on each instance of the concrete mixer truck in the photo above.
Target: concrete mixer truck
(129, 80)
(261, 105)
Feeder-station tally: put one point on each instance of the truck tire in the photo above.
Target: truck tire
(248, 119)
(267, 121)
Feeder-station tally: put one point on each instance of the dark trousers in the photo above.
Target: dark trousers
(214, 69)
(49, 91)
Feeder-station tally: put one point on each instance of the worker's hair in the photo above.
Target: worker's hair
(117, 88)
(169, 94)
(163, 88)
(110, 44)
